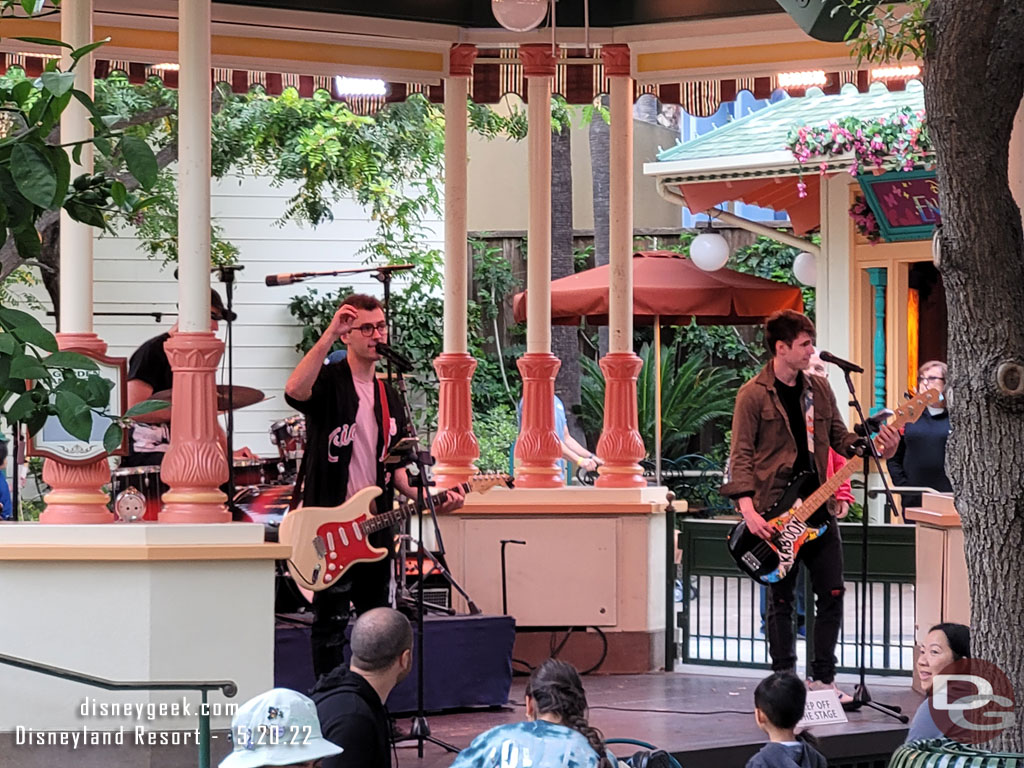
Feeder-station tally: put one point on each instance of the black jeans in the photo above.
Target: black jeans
(823, 559)
(364, 586)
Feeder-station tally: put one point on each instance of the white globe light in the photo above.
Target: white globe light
(519, 15)
(805, 268)
(709, 252)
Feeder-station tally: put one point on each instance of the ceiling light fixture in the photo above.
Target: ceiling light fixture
(519, 15)
(360, 86)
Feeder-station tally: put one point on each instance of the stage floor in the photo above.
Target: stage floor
(661, 709)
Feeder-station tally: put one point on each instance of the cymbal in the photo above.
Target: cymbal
(241, 396)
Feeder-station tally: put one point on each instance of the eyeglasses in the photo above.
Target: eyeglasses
(367, 329)
(931, 379)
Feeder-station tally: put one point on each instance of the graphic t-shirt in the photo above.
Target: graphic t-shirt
(362, 469)
(521, 745)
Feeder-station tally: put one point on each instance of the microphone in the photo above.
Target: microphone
(846, 365)
(402, 363)
(285, 279)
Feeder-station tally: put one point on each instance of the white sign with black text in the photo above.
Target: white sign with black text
(822, 708)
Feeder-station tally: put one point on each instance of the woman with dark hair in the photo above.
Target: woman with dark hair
(556, 731)
(944, 644)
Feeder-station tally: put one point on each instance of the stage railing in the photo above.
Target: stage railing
(719, 618)
(227, 687)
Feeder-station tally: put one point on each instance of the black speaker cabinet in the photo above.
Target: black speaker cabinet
(826, 20)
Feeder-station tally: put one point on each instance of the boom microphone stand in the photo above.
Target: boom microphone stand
(861, 694)
(226, 274)
(420, 730)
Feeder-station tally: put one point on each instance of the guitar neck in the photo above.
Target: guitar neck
(405, 511)
(908, 411)
(827, 490)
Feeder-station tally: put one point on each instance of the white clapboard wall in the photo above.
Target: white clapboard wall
(265, 333)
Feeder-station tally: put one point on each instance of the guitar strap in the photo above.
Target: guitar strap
(385, 418)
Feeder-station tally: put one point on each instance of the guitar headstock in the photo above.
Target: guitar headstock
(484, 481)
(912, 409)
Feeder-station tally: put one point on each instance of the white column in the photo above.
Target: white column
(76, 276)
(538, 261)
(456, 293)
(194, 166)
(620, 217)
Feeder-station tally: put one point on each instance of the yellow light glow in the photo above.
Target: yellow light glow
(167, 67)
(896, 73)
(802, 79)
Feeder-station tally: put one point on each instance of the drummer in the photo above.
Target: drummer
(149, 371)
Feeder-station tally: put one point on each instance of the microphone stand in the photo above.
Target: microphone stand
(226, 274)
(861, 694)
(420, 730)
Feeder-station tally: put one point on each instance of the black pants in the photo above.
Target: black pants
(823, 559)
(364, 586)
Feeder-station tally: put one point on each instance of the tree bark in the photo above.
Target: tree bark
(565, 343)
(973, 87)
(600, 140)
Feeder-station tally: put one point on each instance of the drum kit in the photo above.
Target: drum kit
(263, 485)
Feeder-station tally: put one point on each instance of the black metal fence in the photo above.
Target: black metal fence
(719, 620)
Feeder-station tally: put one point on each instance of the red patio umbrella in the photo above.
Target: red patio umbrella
(668, 288)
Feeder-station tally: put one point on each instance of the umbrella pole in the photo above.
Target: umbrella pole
(657, 400)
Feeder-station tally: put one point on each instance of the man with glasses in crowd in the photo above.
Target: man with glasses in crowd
(352, 420)
(920, 458)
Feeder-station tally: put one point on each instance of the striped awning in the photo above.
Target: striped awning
(497, 75)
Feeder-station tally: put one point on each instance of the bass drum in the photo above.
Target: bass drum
(268, 504)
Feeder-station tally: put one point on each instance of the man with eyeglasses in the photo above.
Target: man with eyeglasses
(920, 458)
(352, 420)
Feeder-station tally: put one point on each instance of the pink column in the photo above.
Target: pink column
(76, 495)
(195, 466)
(455, 447)
(620, 445)
(538, 448)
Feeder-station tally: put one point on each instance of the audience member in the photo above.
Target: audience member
(921, 454)
(944, 644)
(779, 702)
(279, 727)
(556, 731)
(351, 699)
(6, 506)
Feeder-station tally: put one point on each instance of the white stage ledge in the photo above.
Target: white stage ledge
(133, 602)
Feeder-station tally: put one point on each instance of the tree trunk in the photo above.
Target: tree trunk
(974, 85)
(600, 138)
(565, 343)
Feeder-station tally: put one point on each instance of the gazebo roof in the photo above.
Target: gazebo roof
(747, 160)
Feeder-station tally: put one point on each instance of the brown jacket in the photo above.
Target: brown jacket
(763, 448)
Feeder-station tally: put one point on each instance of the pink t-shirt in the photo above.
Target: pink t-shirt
(362, 469)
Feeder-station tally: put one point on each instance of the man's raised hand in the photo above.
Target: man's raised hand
(341, 323)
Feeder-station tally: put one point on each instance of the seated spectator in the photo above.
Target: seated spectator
(557, 732)
(779, 702)
(351, 699)
(263, 728)
(921, 454)
(944, 644)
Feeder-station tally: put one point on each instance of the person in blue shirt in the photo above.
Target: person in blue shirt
(6, 507)
(571, 448)
(556, 731)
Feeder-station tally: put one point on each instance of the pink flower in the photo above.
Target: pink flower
(801, 189)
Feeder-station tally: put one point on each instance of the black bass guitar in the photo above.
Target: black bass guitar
(768, 561)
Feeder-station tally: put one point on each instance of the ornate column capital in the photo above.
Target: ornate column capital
(616, 59)
(460, 60)
(538, 61)
(455, 446)
(538, 448)
(620, 445)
